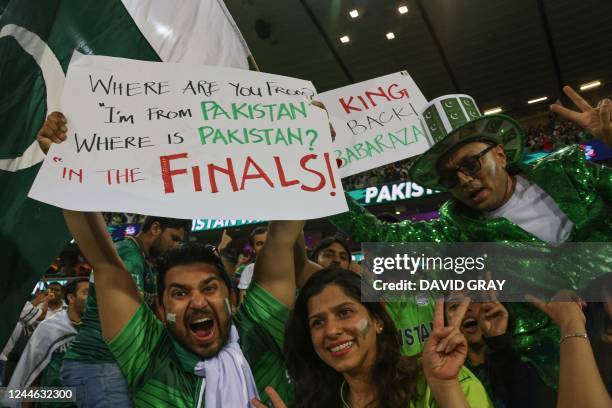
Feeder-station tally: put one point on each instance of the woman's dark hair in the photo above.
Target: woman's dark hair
(316, 383)
(186, 254)
(597, 323)
(326, 243)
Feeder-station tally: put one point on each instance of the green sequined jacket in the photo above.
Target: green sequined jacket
(582, 190)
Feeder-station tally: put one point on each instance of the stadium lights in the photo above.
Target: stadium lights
(590, 85)
(397, 213)
(354, 13)
(403, 9)
(390, 36)
(493, 111)
(542, 99)
(344, 39)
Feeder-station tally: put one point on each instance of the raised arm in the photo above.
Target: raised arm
(579, 381)
(275, 265)
(304, 267)
(117, 295)
(595, 120)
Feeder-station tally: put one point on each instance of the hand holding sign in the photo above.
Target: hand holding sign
(190, 142)
(331, 127)
(53, 131)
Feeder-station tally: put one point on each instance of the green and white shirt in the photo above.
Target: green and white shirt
(159, 371)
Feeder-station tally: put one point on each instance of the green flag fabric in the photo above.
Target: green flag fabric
(37, 40)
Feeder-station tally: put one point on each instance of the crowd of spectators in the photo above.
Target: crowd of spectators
(122, 218)
(553, 134)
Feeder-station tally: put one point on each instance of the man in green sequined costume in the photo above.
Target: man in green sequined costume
(480, 186)
(495, 198)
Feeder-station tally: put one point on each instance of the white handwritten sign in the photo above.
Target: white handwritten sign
(376, 122)
(191, 142)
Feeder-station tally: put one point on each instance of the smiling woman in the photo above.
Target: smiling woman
(333, 339)
(344, 353)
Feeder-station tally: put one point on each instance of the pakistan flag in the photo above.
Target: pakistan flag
(37, 39)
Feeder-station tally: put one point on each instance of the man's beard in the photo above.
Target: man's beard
(81, 309)
(224, 340)
(154, 251)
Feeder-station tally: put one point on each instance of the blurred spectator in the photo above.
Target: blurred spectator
(41, 360)
(332, 252)
(257, 239)
(30, 315)
(55, 300)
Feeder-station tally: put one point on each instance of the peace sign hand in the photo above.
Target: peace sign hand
(445, 350)
(597, 121)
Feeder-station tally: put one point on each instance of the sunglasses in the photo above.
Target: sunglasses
(469, 166)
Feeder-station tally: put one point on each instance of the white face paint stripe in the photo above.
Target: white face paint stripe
(171, 317)
(53, 76)
(363, 326)
(228, 306)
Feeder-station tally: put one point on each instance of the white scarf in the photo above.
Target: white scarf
(227, 377)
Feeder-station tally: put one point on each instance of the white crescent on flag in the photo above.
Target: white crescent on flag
(53, 76)
(174, 30)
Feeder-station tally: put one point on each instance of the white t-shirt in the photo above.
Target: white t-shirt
(246, 276)
(532, 209)
(53, 312)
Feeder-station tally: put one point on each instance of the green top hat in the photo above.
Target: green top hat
(453, 120)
